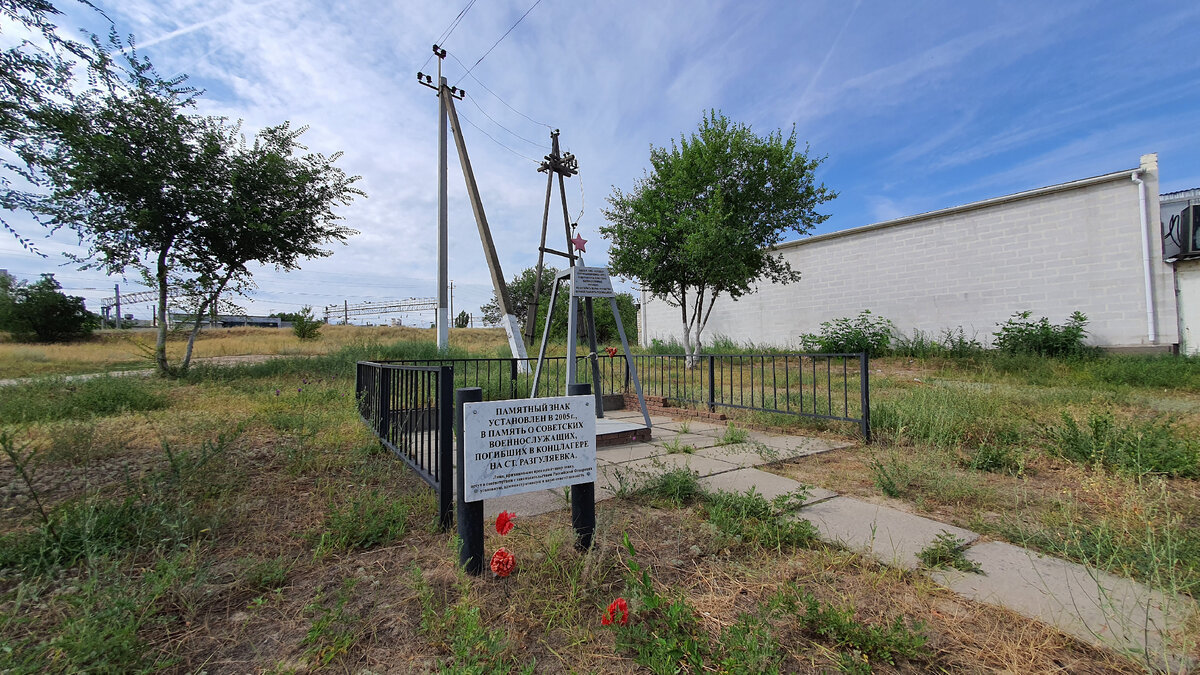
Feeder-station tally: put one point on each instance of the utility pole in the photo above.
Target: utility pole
(562, 166)
(345, 312)
(446, 96)
(452, 300)
(117, 295)
(443, 244)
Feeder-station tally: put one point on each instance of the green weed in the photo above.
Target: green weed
(946, 417)
(53, 399)
(474, 648)
(367, 520)
(1140, 448)
(866, 332)
(333, 631)
(947, 551)
(676, 447)
(674, 488)
(749, 518)
(733, 435)
(268, 574)
(838, 626)
(1001, 459)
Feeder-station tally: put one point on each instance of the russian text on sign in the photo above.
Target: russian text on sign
(591, 282)
(512, 447)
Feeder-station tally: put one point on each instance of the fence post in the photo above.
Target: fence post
(864, 383)
(470, 514)
(384, 405)
(445, 405)
(712, 384)
(512, 377)
(626, 374)
(583, 495)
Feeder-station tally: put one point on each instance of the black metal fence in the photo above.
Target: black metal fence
(823, 386)
(411, 410)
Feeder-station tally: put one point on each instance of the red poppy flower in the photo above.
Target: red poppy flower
(503, 562)
(618, 611)
(505, 522)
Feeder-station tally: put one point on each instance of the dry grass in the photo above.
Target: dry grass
(111, 350)
(299, 454)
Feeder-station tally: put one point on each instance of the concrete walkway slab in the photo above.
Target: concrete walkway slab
(629, 452)
(766, 484)
(1094, 606)
(891, 536)
(705, 466)
(693, 427)
(670, 439)
(743, 454)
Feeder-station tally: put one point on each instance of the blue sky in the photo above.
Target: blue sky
(918, 106)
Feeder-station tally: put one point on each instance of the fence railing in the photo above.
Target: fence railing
(823, 386)
(411, 409)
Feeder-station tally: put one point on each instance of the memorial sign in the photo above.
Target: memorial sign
(591, 282)
(523, 445)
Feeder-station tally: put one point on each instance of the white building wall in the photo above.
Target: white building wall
(1076, 246)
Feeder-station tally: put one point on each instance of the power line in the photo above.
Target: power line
(458, 19)
(468, 121)
(498, 98)
(535, 144)
(510, 29)
(449, 29)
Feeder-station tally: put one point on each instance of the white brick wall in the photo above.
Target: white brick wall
(1052, 251)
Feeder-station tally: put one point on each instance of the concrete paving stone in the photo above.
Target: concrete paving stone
(697, 441)
(705, 466)
(526, 504)
(891, 536)
(743, 454)
(693, 427)
(1094, 606)
(612, 479)
(628, 452)
(766, 484)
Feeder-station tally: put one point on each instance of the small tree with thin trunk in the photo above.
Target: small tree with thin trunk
(182, 198)
(705, 221)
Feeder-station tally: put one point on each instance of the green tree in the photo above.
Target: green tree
(462, 320)
(289, 317)
(41, 312)
(305, 325)
(35, 75)
(520, 289)
(181, 198)
(705, 221)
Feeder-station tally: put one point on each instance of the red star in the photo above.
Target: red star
(578, 242)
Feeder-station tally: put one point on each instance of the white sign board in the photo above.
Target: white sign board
(519, 446)
(591, 282)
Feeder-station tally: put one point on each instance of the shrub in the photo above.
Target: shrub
(305, 325)
(864, 333)
(39, 312)
(1020, 335)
